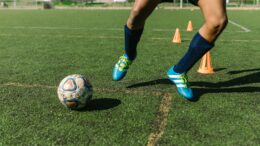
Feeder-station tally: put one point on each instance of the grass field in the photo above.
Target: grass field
(38, 48)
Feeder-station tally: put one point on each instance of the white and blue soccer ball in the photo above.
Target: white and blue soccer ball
(75, 91)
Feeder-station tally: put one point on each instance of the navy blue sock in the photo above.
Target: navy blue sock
(198, 47)
(132, 38)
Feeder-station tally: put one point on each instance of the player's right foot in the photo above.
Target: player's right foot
(121, 67)
(181, 82)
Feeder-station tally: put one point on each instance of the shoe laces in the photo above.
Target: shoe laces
(123, 63)
(184, 78)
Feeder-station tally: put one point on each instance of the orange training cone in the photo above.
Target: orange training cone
(189, 27)
(177, 36)
(205, 65)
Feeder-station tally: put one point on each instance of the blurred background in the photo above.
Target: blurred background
(50, 4)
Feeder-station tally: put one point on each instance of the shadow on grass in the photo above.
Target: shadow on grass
(241, 71)
(160, 81)
(220, 87)
(101, 104)
(219, 69)
(200, 91)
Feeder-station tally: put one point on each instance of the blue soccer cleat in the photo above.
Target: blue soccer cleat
(181, 82)
(121, 67)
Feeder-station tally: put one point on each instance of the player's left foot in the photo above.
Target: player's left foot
(121, 67)
(181, 82)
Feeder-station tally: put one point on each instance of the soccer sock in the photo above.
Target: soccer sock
(132, 38)
(198, 47)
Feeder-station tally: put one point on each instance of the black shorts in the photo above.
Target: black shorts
(194, 2)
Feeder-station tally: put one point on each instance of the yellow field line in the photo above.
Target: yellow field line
(161, 120)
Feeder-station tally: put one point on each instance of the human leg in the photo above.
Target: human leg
(135, 24)
(214, 12)
(133, 31)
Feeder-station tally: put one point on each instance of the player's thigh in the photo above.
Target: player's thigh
(142, 9)
(213, 10)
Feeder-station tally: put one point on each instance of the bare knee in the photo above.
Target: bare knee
(216, 24)
(135, 20)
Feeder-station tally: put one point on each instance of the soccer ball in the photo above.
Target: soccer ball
(75, 91)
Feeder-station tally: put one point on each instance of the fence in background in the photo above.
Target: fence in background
(113, 3)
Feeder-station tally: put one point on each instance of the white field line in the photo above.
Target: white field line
(106, 29)
(17, 84)
(61, 28)
(61, 36)
(167, 30)
(240, 26)
(110, 37)
(220, 40)
(182, 30)
(73, 28)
